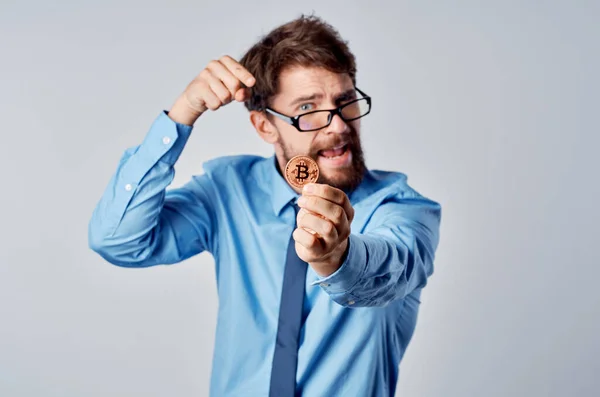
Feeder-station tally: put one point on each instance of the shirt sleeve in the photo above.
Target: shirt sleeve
(393, 258)
(138, 222)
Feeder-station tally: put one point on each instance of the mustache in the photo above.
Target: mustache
(350, 141)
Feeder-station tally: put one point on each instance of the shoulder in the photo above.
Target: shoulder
(385, 182)
(394, 186)
(384, 178)
(241, 163)
(235, 170)
(242, 172)
(393, 201)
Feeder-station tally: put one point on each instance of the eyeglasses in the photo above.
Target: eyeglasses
(319, 119)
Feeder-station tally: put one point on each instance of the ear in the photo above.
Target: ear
(267, 131)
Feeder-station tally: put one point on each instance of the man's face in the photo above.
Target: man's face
(336, 148)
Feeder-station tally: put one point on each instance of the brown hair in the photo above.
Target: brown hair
(306, 41)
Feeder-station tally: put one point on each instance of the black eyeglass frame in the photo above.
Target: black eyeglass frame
(332, 112)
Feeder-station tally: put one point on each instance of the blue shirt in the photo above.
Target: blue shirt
(357, 322)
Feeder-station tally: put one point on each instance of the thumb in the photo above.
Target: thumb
(241, 95)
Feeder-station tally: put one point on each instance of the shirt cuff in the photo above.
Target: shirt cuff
(165, 140)
(347, 276)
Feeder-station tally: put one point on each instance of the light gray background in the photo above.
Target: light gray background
(491, 108)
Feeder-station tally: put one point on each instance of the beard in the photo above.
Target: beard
(346, 178)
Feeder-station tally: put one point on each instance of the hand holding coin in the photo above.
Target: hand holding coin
(328, 212)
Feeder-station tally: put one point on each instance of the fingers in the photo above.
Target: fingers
(221, 82)
(308, 246)
(333, 213)
(223, 75)
(216, 86)
(208, 98)
(241, 95)
(323, 228)
(331, 204)
(328, 212)
(331, 194)
(238, 70)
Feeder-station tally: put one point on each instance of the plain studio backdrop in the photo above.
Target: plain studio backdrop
(490, 108)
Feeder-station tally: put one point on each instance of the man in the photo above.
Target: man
(333, 314)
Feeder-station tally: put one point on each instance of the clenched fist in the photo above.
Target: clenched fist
(323, 227)
(221, 82)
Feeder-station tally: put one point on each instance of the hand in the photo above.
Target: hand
(221, 82)
(327, 212)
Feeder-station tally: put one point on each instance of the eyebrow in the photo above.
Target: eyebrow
(348, 93)
(306, 98)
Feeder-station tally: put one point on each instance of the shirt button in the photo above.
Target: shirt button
(350, 302)
(324, 284)
(128, 187)
(166, 140)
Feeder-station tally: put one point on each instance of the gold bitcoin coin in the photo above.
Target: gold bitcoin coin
(301, 170)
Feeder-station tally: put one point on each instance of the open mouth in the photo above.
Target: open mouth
(336, 157)
(335, 152)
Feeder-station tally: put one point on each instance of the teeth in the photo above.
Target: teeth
(335, 149)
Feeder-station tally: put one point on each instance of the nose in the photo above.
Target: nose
(337, 126)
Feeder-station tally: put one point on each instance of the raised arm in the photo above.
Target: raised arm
(138, 222)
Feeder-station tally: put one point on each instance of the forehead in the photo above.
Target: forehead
(299, 81)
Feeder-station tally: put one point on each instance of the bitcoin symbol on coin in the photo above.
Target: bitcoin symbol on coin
(301, 170)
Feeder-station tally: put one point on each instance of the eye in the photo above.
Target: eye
(305, 107)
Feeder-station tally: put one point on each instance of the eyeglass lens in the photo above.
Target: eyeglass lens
(320, 119)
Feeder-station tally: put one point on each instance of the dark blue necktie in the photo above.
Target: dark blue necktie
(285, 358)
